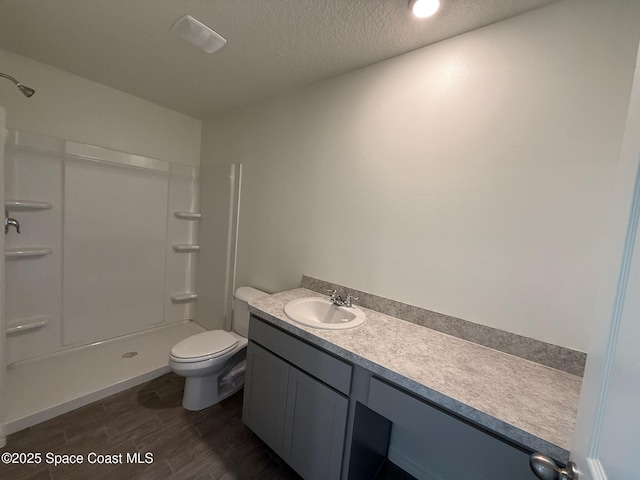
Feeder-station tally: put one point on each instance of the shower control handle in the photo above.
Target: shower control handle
(10, 222)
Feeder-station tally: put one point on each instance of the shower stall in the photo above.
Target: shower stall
(101, 279)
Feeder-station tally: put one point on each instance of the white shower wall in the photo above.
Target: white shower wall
(96, 257)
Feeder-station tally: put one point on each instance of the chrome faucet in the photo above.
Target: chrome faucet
(337, 300)
(8, 222)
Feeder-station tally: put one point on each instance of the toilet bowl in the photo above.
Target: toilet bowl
(213, 362)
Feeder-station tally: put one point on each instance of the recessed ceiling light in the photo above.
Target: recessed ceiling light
(424, 8)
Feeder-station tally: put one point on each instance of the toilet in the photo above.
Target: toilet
(213, 362)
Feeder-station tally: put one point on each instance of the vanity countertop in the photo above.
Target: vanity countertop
(530, 404)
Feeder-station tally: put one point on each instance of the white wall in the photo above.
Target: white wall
(468, 177)
(70, 107)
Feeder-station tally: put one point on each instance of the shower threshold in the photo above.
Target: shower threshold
(45, 387)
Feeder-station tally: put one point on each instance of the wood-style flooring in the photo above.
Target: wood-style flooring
(211, 444)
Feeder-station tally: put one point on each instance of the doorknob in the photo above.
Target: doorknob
(546, 469)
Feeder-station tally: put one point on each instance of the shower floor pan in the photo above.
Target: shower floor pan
(45, 387)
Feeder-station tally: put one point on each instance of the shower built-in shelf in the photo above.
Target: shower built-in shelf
(26, 252)
(186, 297)
(27, 324)
(187, 215)
(25, 205)
(180, 248)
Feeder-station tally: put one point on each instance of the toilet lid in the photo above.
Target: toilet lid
(204, 345)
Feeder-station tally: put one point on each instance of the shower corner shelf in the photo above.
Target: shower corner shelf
(26, 205)
(182, 248)
(186, 297)
(26, 252)
(187, 215)
(27, 324)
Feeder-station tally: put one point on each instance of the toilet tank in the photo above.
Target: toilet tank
(240, 319)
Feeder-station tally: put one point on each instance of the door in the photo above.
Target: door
(265, 395)
(3, 135)
(607, 436)
(315, 425)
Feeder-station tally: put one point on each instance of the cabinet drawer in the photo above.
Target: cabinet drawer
(411, 412)
(398, 406)
(430, 443)
(323, 366)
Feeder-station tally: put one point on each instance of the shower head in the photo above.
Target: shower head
(26, 91)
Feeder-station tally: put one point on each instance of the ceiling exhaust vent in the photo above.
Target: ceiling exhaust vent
(197, 34)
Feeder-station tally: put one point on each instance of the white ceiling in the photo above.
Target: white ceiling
(272, 45)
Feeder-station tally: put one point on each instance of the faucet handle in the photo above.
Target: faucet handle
(347, 302)
(10, 222)
(335, 298)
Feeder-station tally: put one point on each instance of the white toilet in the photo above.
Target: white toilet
(213, 362)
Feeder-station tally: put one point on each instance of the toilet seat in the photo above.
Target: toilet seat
(203, 346)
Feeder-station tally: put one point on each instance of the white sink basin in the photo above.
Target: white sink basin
(321, 313)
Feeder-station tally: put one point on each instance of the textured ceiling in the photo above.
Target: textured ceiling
(273, 45)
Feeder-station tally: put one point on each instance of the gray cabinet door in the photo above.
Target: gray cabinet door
(314, 427)
(265, 395)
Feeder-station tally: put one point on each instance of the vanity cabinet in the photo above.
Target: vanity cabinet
(301, 415)
(330, 419)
